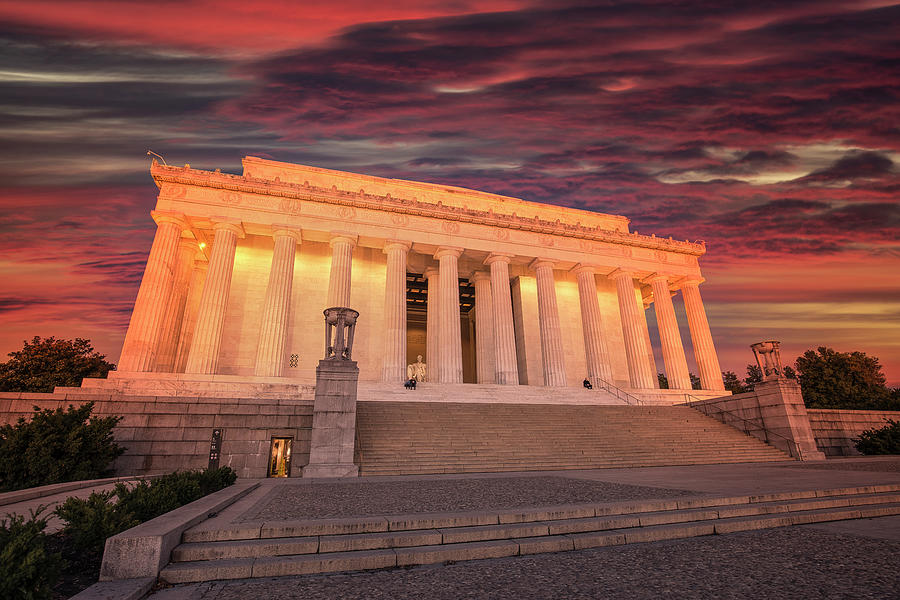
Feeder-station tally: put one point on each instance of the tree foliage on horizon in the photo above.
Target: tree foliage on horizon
(847, 380)
(43, 364)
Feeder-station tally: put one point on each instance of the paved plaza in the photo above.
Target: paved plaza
(846, 559)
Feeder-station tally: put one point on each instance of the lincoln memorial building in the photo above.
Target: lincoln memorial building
(488, 290)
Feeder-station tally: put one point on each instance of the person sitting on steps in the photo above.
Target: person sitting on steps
(587, 385)
(411, 384)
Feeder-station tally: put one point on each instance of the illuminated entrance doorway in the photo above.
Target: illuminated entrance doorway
(280, 457)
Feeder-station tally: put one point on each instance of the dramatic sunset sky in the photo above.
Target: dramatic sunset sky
(770, 129)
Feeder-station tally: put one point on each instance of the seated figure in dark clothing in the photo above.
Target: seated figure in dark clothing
(587, 385)
(411, 384)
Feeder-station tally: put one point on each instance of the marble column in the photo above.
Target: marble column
(393, 368)
(704, 350)
(639, 371)
(432, 325)
(341, 267)
(669, 336)
(450, 367)
(277, 304)
(171, 329)
(203, 357)
(484, 328)
(142, 337)
(191, 307)
(595, 348)
(548, 317)
(505, 364)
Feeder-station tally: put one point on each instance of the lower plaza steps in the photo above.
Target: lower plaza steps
(264, 549)
(405, 438)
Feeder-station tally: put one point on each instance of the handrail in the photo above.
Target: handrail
(619, 393)
(793, 447)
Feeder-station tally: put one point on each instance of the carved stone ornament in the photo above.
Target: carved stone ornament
(768, 357)
(340, 325)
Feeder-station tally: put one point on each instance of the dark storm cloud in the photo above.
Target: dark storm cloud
(855, 165)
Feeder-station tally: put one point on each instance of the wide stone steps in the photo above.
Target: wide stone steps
(328, 545)
(396, 438)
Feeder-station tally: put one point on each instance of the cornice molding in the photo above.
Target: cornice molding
(386, 203)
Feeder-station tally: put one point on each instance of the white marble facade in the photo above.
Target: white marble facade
(242, 267)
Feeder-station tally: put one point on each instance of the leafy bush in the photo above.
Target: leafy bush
(885, 440)
(90, 521)
(27, 570)
(56, 446)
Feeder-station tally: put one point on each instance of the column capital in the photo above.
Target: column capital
(620, 274)
(287, 231)
(431, 272)
(691, 280)
(168, 216)
(338, 237)
(498, 257)
(649, 279)
(481, 276)
(583, 268)
(396, 245)
(234, 226)
(448, 251)
(539, 263)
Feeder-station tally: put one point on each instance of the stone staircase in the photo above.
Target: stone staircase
(467, 393)
(403, 438)
(218, 549)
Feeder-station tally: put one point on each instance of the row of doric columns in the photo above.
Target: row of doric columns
(177, 323)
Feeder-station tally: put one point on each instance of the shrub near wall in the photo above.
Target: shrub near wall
(56, 446)
(880, 441)
(27, 569)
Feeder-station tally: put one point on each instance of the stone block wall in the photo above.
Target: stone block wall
(835, 430)
(774, 407)
(166, 433)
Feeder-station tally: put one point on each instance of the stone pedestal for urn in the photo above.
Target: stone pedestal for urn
(334, 411)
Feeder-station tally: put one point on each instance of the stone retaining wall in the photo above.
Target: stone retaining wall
(835, 429)
(165, 433)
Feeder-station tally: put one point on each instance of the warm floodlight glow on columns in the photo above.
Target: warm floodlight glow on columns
(341, 269)
(450, 367)
(639, 372)
(548, 316)
(595, 348)
(433, 325)
(393, 368)
(204, 354)
(505, 363)
(171, 328)
(142, 337)
(484, 328)
(191, 308)
(276, 307)
(669, 336)
(701, 338)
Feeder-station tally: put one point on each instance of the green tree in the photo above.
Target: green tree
(754, 376)
(664, 381)
(849, 380)
(56, 446)
(43, 364)
(732, 383)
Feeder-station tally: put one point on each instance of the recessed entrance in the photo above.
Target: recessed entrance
(416, 322)
(280, 457)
